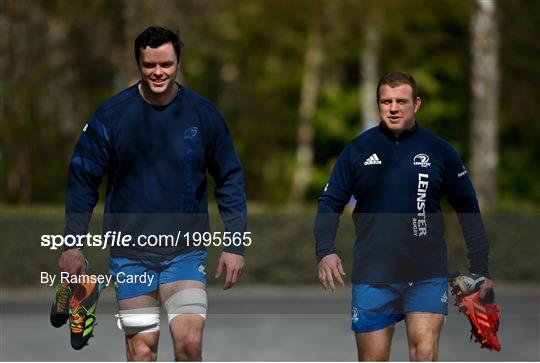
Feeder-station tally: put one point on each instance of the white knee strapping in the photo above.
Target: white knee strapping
(187, 301)
(142, 320)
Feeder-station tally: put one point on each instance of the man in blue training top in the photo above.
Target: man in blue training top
(398, 172)
(155, 141)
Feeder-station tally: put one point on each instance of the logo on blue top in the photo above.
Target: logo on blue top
(191, 132)
(421, 160)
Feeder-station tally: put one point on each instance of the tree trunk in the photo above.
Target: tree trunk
(4, 30)
(485, 92)
(369, 61)
(14, 117)
(127, 73)
(308, 104)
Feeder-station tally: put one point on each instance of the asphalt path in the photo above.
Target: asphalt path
(262, 324)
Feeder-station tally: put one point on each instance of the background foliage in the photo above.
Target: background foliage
(61, 59)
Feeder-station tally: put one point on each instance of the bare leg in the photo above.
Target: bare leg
(375, 346)
(186, 329)
(423, 332)
(141, 346)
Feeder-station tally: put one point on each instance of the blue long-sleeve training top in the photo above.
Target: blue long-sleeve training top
(155, 159)
(398, 184)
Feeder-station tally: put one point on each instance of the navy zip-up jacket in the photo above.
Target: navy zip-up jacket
(398, 184)
(155, 159)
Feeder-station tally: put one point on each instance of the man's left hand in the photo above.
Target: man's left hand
(234, 265)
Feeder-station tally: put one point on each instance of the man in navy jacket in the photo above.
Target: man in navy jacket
(398, 173)
(155, 141)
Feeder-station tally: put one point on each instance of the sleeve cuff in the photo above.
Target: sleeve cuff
(325, 252)
(237, 250)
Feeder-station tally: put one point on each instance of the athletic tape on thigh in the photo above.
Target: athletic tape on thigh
(142, 320)
(187, 301)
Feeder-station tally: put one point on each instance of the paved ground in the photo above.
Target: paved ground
(262, 324)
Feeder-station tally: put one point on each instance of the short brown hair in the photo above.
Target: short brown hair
(156, 36)
(394, 79)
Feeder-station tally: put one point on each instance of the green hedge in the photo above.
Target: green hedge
(282, 250)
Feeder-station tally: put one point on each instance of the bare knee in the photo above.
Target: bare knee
(424, 351)
(141, 351)
(189, 348)
(423, 331)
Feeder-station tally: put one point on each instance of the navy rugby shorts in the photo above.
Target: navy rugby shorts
(377, 306)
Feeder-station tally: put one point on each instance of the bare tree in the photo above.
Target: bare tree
(15, 118)
(485, 91)
(308, 104)
(369, 61)
(128, 75)
(4, 30)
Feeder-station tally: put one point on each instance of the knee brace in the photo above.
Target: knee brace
(142, 320)
(187, 301)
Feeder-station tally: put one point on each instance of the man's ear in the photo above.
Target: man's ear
(417, 104)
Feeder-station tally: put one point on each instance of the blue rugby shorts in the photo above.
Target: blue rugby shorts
(377, 306)
(140, 276)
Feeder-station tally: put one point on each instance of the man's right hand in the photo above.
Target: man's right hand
(329, 267)
(72, 262)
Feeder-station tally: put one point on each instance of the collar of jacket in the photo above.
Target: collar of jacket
(405, 134)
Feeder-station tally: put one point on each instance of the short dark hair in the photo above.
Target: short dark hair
(394, 79)
(156, 36)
